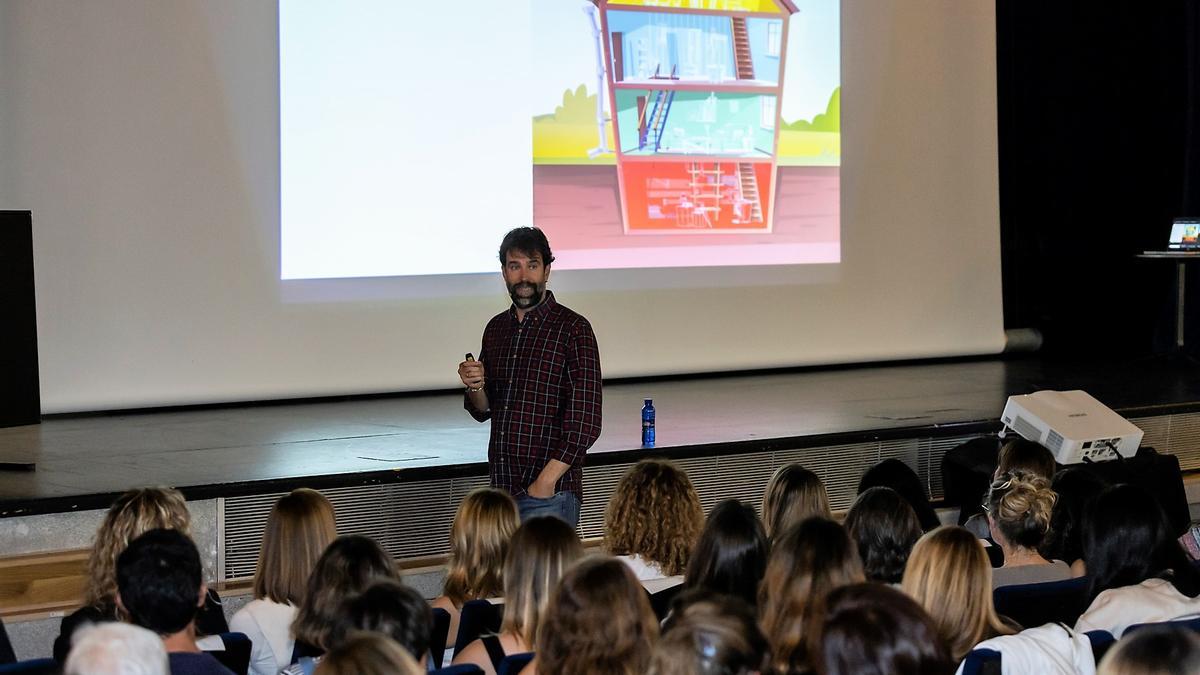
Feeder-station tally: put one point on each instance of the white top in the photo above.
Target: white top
(1046, 650)
(1152, 600)
(268, 625)
(643, 569)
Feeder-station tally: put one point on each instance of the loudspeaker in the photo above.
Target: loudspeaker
(20, 399)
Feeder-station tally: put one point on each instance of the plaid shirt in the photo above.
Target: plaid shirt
(543, 387)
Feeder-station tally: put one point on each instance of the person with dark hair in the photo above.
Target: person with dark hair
(1018, 508)
(793, 494)
(877, 630)
(1154, 650)
(894, 474)
(1139, 573)
(884, 527)
(538, 380)
(731, 554)
(391, 609)
(160, 588)
(1076, 489)
(709, 634)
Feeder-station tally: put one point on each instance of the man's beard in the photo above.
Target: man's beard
(525, 301)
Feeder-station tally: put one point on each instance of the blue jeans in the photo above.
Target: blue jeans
(563, 505)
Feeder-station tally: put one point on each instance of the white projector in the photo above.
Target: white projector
(1073, 425)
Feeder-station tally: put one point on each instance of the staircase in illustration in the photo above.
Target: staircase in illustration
(741, 49)
(748, 181)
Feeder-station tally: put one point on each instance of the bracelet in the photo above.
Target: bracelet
(475, 389)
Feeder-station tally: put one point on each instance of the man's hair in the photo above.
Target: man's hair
(527, 240)
(158, 578)
(390, 608)
(113, 648)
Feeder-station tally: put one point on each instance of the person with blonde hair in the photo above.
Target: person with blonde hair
(653, 519)
(1162, 649)
(808, 562)
(483, 525)
(1019, 506)
(948, 574)
(598, 621)
(369, 654)
(133, 513)
(793, 494)
(541, 551)
(299, 528)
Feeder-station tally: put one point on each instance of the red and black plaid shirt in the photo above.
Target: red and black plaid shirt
(543, 387)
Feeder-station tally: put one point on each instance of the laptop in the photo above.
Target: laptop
(1185, 235)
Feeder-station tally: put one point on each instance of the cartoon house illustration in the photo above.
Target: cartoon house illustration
(694, 89)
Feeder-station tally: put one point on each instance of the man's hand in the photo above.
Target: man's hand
(539, 490)
(471, 373)
(543, 486)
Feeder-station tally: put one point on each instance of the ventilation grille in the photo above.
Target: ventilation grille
(1023, 427)
(1177, 435)
(1054, 440)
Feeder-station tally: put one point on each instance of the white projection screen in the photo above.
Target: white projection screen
(145, 137)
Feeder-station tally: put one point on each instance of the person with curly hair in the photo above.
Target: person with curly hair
(884, 527)
(793, 494)
(137, 511)
(1018, 508)
(598, 622)
(653, 519)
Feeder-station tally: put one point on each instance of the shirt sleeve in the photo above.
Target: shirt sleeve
(582, 404)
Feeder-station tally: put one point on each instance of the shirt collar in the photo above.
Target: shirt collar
(541, 311)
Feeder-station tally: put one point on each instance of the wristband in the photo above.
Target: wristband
(475, 389)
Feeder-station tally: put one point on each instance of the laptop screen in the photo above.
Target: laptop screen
(1185, 234)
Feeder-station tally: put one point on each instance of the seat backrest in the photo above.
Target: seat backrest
(477, 618)
(1102, 641)
(463, 669)
(6, 651)
(981, 662)
(1193, 624)
(31, 667)
(660, 602)
(514, 663)
(1038, 604)
(236, 655)
(438, 636)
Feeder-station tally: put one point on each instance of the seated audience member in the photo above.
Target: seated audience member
(1075, 488)
(483, 524)
(653, 519)
(299, 528)
(1018, 513)
(793, 494)
(598, 621)
(159, 586)
(541, 551)
(877, 630)
(731, 555)
(390, 609)
(117, 649)
(1138, 571)
(347, 567)
(949, 575)
(133, 513)
(1017, 454)
(1154, 650)
(710, 634)
(894, 474)
(884, 528)
(369, 654)
(809, 561)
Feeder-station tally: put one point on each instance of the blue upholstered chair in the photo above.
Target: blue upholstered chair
(981, 662)
(31, 667)
(478, 617)
(1038, 604)
(514, 663)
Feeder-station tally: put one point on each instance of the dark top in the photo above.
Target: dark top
(543, 386)
(209, 621)
(186, 663)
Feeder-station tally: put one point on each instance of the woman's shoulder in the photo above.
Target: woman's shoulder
(263, 610)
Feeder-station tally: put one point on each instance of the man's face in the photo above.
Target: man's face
(526, 277)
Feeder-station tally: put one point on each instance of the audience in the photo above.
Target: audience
(347, 567)
(731, 555)
(884, 528)
(793, 494)
(391, 609)
(949, 575)
(116, 649)
(876, 630)
(894, 474)
(160, 587)
(598, 621)
(298, 529)
(710, 634)
(1075, 488)
(483, 524)
(541, 551)
(1017, 454)
(1154, 650)
(1138, 571)
(809, 561)
(1019, 506)
(369, 654)
(653, 520)
(133, 513)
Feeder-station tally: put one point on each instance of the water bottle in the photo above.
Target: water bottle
(648, 424)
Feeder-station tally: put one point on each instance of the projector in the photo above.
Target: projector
(1073, 425)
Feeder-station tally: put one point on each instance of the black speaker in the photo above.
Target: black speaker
(20, 399)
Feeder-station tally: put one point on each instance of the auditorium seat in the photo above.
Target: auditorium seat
(31, 667)
(1102, 641)
(463, 669)
(981, 662)
(477, 618)
(514, 663)
(236, 655)
(1033, 605)
(661, 601)
(438, 636)
(1193, 624)
(6, 650)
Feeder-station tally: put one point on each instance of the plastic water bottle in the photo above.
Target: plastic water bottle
(648, 424)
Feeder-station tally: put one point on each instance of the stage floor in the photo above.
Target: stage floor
(83, 461)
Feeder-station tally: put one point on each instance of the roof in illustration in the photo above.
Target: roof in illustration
(756, 6)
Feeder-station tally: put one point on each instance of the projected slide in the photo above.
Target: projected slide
(636, 133)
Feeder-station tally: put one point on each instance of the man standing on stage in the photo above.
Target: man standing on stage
(538, 379)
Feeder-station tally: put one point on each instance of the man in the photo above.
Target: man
(159, 586)
(538, 379)
(116, 649)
